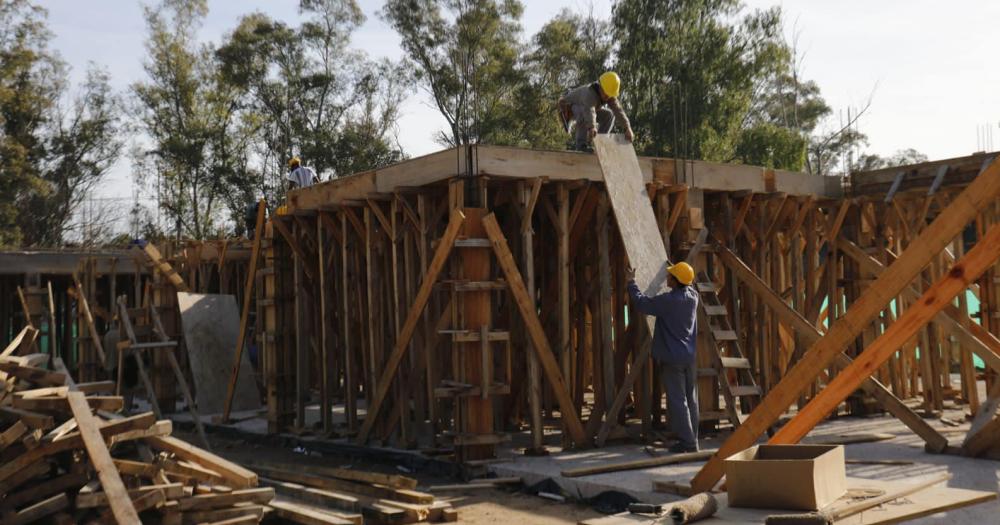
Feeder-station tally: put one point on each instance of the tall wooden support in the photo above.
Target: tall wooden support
(562, 275)
(977, 196)
(475, 356)
(245, 313)
(529, 198)
(350, 368)
(302, 374)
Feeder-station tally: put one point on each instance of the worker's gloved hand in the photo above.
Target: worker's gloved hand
(591, 133)
(629, 135)
(629, 273)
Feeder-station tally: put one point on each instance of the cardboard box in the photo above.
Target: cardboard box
(794, 477)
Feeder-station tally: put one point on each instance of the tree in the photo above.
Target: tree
(304, 91)
(188, 113)
(467, 55)
(692, 71)
(53, 152)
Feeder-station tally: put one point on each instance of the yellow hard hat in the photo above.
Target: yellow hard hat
(293, 162)
(610, 84)
(282, 210)
(683, 272)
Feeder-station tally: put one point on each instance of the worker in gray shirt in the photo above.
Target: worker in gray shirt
(674, 349)
(586, 106)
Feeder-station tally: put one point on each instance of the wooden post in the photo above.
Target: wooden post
(245, 314)
(477, 412)
(529, 197)
(981, 193)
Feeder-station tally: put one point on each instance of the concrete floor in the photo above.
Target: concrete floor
(978, 474)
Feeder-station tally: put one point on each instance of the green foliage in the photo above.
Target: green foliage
(467, 55)
(692, 70)
(224, 121)
(52, 153)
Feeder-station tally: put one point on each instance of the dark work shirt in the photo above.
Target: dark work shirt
(676, 312)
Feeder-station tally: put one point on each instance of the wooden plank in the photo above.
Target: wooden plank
(32, 419)
(983, 343)
(236, 475)
(245, 314)
(364, 489)
(410, 325)
(808, 332)
(208, 516)
(12, 434)
(164, 267)
(58, 404)
(39, 376)
(118, 498)
(88, 317)
(87, 499)
(42, 509)
(15, 343)
(640, 237)
(297, 513)
(671, 459)
(981, 193)
(327, 498)
(539, 342)
(228, 499)
(43, 490)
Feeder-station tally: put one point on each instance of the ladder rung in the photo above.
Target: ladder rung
(735, 362)
(724, 335)
(468, 336)
(706, 287)
(472, 243)
(750, 390)
(715, 310)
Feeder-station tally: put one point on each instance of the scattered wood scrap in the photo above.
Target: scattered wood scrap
(68, 456)
(348, 496)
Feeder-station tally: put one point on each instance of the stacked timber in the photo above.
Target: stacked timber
(67, 455)
(365, 497)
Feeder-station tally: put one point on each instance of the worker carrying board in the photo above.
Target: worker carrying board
(674, 348)
(585, 106)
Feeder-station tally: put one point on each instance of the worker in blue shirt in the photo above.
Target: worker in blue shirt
(674, 347)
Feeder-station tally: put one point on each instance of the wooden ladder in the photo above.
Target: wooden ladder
(733, 368)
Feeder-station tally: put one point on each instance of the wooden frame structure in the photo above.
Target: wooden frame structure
(452, 299)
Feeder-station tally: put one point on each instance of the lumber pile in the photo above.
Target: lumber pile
(67, 455)
(356, 496)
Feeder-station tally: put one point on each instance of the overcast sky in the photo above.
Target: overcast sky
(929, 63)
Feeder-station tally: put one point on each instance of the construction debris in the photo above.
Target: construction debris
(69, 455)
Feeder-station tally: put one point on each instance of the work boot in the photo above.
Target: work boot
(680, 448)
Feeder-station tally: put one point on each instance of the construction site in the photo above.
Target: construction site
(450, 338)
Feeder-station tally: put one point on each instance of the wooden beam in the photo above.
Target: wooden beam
(161, 264)
(111, 483)
(414, 314)
(535, 331)
(294, 244)
(810, 334)
(978, 339)
(980, 194)
(95, 338)
(956, 281)
(235, 475)
(245, 314)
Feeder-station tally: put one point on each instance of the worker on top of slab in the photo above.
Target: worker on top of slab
(300, 176)
(674, 348)
(586, 105)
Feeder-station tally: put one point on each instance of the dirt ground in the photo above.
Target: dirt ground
(475, 507)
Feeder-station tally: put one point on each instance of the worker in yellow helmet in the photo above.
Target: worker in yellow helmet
(586, 106)
(674, 348)
(300, 176)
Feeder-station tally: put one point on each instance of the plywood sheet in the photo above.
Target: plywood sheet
(633, 213)
(211, 327)
(924, 503)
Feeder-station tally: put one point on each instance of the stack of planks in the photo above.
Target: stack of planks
(359, 496)
(67, 455)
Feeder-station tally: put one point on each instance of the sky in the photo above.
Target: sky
(926, 67)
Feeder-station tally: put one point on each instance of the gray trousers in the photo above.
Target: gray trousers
(681, 384)
(605, 121)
